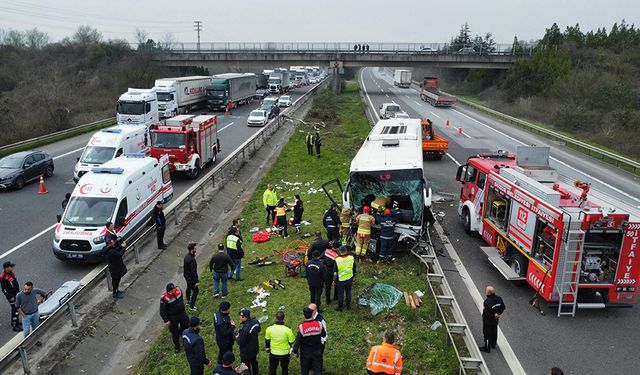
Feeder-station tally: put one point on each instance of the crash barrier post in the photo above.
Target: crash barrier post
(18, 346)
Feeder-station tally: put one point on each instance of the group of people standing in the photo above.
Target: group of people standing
(313, 141)
(362, 48)
(276, 211)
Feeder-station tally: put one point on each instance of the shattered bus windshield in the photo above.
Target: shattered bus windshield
(402, 188)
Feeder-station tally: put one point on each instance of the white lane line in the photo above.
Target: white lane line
(418, 103)
(231, 123)
(505, 347)
(454, 159)
(460, 131)
(68, 153)
(554, 159)
(17, 247)
(435, 114)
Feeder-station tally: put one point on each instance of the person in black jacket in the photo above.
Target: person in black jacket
(329, 259)
(117, 268)
(318, 142)
(493, 307)
(161, 222)
(319, 244)
(236, 252)
(10, 289)
(331, 223)
(387, 234)
(224, 327)
(298, 210)
(194, 347)
(247, 340)
(190, 272)
(173, 313)
(221, 266)
(309, 343)
(315, 278)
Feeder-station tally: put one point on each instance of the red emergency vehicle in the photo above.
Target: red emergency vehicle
(575, 250)
(190, 141)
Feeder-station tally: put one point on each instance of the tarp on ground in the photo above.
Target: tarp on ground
(379, 297)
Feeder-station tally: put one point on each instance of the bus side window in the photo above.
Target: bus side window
(481, 180)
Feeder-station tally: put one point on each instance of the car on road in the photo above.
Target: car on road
(19, 168)
(466, 51)
(284, 101)
(313, 80)
(401, 115)
(258, 117)
(270, 105)
(262, 93)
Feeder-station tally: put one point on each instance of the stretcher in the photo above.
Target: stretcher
(57, 298)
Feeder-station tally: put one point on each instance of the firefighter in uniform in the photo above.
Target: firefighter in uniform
(345, 224)
(344, 271)
(363, 235)
(310, 142)
(493, 307)
(309, 343)
(11, 288)
(173, 313)
(385, 358)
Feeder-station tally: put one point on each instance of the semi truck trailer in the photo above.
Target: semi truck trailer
(234, 88)
(402, 78)
(430, 93)
(181, 94)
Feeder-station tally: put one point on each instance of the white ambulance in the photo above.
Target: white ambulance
(123, 191)
(110, 143)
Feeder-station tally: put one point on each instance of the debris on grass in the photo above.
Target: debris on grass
(379, 297)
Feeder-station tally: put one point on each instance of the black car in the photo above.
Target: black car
(19, 168)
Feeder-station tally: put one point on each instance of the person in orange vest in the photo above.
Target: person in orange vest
(385, 358)
(363, 235)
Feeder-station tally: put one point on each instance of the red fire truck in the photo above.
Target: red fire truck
(190, 141)
(575, 250)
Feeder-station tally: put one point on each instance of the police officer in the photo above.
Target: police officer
(493, 307)
(226, 367)
(173, 313)
(194, 347)
(224, 327)
(315, 274)
(235, 251)
(309, 344)
(278, 339)
(190, 272)
(247, 340)
(317, 141)
(318, 244)
(309, 140)
(161, 222)
(329, 260)
(318, 317)
(387, 234)
(344, 271)
(331, 221)
(363, 235)
(11, 288)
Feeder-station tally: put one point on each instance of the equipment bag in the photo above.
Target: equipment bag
(262, 236)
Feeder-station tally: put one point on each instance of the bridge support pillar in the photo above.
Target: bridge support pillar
(335, 84)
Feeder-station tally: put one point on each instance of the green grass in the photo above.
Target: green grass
(36, 144)
(352, 332)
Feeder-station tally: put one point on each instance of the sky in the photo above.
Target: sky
(400, 21)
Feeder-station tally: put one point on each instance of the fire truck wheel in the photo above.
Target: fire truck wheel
(519, 264)
(466, 218)
(195, 172)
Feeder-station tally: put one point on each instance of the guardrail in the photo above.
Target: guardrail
(18, 346)
(62, 133)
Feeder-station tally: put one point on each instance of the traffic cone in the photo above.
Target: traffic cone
(460, 130)
(226, 112)
(447, 123)
(43, 189)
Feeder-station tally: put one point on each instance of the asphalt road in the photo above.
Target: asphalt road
(595, 341)
(27, 219)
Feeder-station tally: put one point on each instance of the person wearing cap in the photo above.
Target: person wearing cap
(278, 339)
(318, 317)
(11, 288)
(385, 358)
(190, 273)
(173, 313)
(226, 367)
(221, 265)
(309, 343)
(161, 222)
(236, 252)
(316, 275)
(363, 234)
(387, 234)
(343, 272)
(224, 327)
(331, 222)
(247, 340)
(329, 260)
(194, 347)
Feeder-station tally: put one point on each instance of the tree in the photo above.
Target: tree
(141, 38)
(86, 35)
(552, 36)
(36, 39)
(573, 34)
(536, 75)
(14, 38)
(167, 41)
(463, 39)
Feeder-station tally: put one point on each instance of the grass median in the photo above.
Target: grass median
(352, 332)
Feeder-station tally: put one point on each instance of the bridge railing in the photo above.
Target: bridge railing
(345, 47)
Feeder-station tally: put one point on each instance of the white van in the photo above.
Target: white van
(110, 143)
(123, 191)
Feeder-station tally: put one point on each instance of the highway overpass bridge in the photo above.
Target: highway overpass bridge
(248, 57)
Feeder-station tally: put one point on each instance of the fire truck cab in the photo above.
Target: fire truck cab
(190, 141)
(575, 250)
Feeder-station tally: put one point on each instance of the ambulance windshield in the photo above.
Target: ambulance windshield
(89, 211)
(97, 155)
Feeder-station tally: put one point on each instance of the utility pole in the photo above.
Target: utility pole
(197, 26)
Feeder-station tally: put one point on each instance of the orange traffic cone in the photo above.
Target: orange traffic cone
(460, 130)
(447, 123)
(43, 189)
(226, 112)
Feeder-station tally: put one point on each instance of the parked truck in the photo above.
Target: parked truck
(430, 93)
(190, 141)
(234, 88)
(262, 81)
(137, 107)
(279, 82)
(181, 94)
(402, 78)
(433, 145)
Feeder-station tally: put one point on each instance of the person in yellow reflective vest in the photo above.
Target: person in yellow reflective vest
(310, 141)
(385, 359)
(344, 271)
(270, 199)
(281, 218)
(363, 235)
(278, 340)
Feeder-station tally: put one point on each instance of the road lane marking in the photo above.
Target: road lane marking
(552, 158)
(460, 131)
(231, 123)
(67, 153)
(435, 114)
(418, 103)
(20, 245)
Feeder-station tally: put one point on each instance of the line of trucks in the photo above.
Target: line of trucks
(429, 88)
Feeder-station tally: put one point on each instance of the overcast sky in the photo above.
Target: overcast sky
(307, 20)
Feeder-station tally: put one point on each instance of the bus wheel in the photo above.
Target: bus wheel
(519, 264)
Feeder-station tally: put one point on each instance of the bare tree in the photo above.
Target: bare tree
(36, 39)
(86, 35)
(141, 37)
(14, 38)
(168, 40)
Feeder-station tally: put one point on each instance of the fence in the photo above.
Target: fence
(18, 347)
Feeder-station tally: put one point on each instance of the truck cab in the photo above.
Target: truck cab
(389, 110)
(137, 107)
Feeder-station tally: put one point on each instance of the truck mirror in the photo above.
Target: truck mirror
(460, 173)
(58, 218)
(77, 159)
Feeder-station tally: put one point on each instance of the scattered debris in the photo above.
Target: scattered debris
(436, 325)
(379, 297)
(254, 229)
(263, 318)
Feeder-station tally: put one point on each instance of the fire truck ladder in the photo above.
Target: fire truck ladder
(568, 289)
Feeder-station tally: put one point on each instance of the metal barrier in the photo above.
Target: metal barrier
(18, 346)
(61, 133)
